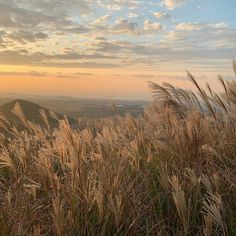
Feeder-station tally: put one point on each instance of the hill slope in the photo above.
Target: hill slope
(31, 112)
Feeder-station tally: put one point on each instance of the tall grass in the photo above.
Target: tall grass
(170, 172)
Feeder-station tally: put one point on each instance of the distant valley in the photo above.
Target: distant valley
(85, 108)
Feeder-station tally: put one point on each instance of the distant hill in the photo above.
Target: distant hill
(31, 112)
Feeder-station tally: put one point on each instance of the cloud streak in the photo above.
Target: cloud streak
(172, 4)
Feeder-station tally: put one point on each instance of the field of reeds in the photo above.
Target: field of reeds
(170, 172)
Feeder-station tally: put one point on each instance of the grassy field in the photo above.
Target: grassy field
(170, 172)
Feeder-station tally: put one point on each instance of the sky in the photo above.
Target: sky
(111, 48)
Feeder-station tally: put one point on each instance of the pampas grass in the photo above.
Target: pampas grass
(170, 172)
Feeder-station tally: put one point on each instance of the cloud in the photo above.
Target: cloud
(13, 16)
(161, 15)
(116, 5)
(78, 75)
(23, 36)
(208, 36)
(104, 46)
(187, 44)
(41, 13)
(200, 26)
(15, 57)
(30, 73)
(102, 20)
(151, 27)
(70, 59)
(179, 47)
(193, 41)
(172, 4)
(59, 7)
(72, 33)
(123, 26)
(132, 15)
(2, 41)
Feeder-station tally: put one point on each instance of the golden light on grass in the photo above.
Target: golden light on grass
(169, 172)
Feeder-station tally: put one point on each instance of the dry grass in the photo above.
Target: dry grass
(171, 172)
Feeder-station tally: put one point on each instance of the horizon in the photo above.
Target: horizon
(109, 49)
(29, 96)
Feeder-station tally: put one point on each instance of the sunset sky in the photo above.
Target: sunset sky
(110, 49)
